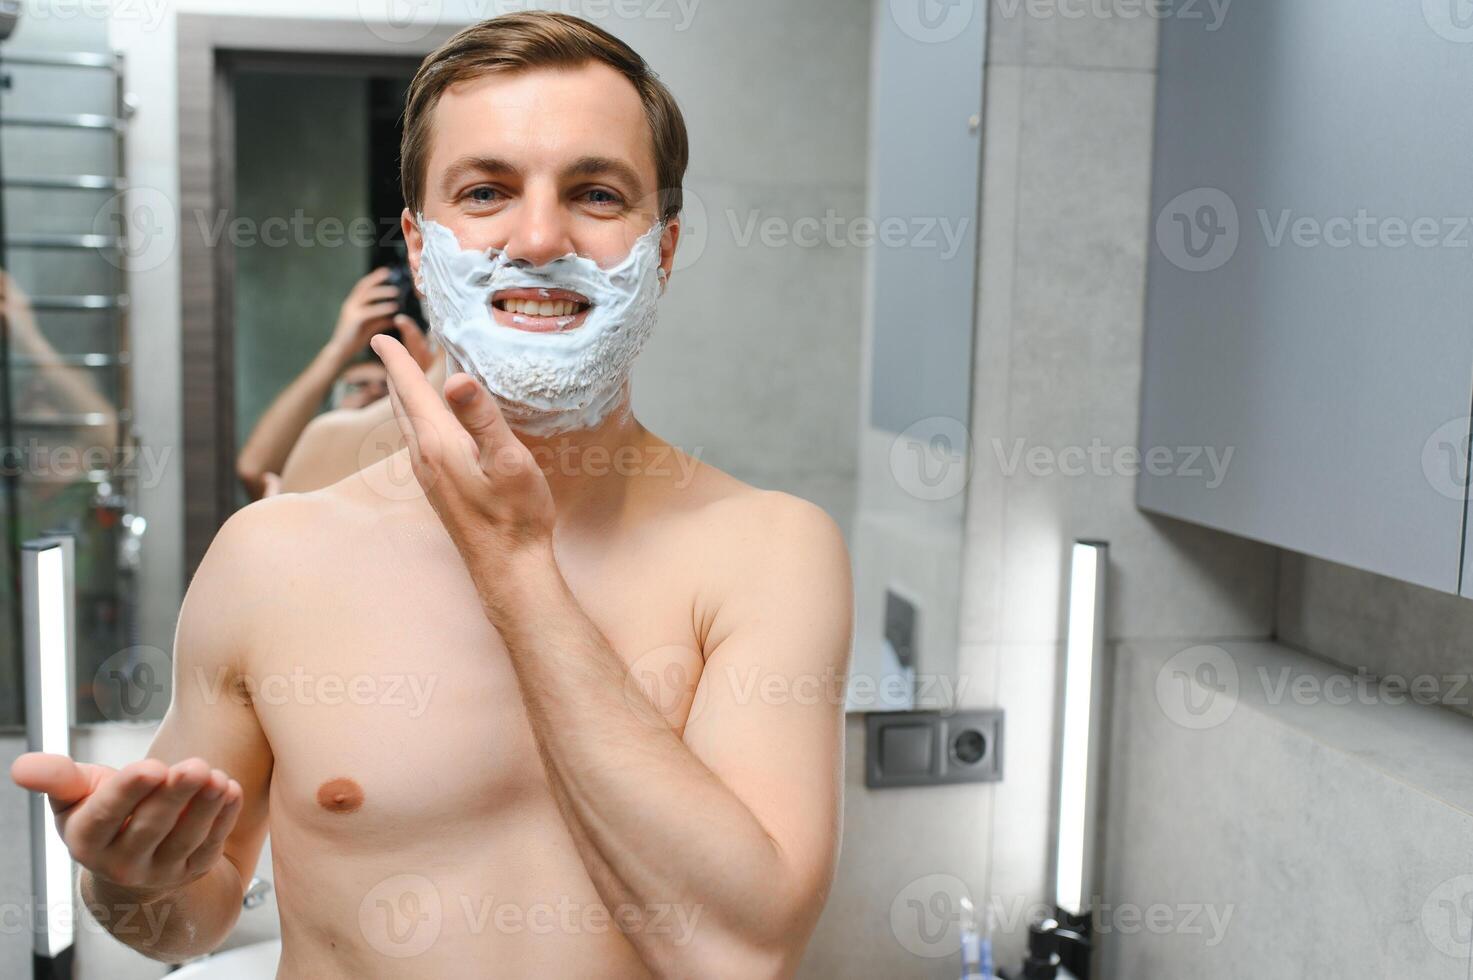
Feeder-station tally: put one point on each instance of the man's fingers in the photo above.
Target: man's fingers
(367, 282)
(415, 400)
(98, 821)
(476, 410)
(61, 779)
(192, 828)
(209, 849)
(378, 312)
(415, 393)
(375, 292)
(160, 810)
(406, 429)
(414, 341)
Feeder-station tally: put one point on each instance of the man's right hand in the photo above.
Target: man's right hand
(149, 827)
(372, 307)
(369, 309)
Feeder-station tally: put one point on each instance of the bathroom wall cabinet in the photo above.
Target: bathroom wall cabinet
(1310, 285)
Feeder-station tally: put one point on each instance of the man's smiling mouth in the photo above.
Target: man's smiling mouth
(539, 310)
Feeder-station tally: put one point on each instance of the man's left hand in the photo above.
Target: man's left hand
(485, 485)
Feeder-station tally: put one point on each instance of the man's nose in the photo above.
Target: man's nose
(540, 229)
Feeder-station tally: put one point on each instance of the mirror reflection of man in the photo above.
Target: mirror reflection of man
(49, 386)
(585, 710)
(345, 373)
(361, 384)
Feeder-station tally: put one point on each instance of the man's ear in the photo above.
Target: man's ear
(669, 238)
(415, 242)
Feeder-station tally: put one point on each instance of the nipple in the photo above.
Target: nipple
(340, 795)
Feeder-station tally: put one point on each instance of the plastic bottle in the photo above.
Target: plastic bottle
(976, 943)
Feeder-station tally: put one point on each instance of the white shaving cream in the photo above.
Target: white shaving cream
(547, 382)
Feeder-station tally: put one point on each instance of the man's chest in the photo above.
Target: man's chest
(398, 707)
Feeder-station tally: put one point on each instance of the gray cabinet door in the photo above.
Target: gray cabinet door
(1310, 296)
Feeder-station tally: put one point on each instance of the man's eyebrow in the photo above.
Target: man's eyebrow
(604, 167)
(468, 166)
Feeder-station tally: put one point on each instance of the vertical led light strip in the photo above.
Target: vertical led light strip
(47, 583)
(1079, 757)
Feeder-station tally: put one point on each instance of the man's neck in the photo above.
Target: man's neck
(589, 470)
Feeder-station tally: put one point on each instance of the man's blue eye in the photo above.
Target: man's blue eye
(482, 193)
(609, 197)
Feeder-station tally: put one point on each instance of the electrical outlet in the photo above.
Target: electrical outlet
(926, 748)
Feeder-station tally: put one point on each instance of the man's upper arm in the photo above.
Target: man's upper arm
(768, 716)
(210, 716)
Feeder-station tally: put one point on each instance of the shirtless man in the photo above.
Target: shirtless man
(552, 717)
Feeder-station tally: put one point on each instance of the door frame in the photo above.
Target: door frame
(211, 50)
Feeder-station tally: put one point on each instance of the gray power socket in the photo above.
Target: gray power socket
(932, 748)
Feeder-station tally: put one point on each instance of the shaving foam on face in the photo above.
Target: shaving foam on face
(547, 382)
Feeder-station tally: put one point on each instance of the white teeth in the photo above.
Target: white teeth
(545, 307)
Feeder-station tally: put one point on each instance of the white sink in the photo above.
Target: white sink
(254, 962)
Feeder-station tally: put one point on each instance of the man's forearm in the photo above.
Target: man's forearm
(656, 828)
(172, 926)
(279, 428)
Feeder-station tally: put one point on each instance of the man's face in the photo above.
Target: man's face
(540, 164)
(361, 385)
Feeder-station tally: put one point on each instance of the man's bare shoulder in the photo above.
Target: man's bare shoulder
(339, 442)
(771, 527)
(753, 528)
(274, 534)
(772, 565)
(259, 564)
(295, 529)
(353, 420)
